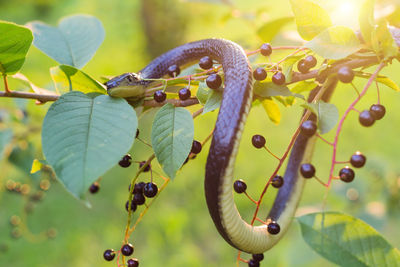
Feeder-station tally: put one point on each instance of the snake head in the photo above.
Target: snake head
(126, 85)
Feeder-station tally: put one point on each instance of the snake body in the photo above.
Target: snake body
(235, 105)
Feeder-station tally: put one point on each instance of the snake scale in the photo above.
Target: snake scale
(235, 106)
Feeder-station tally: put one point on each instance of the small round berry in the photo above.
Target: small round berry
(127, 249)
(196, 147)
(126, 161)
(345, 74)
(258, 141)
(266, 49)
(260, 74)
(137, 133)
(378, 111)
(308, 128)
(94, 188)
(214, 81)
(206, 63)
(302, 66)
(147, 168)
(258, 257)
(138, 199)
(239, 186)
(310, 61)
(150, 190)
(159, 96)
(277, 181)
(366, 118)
(253, 263)
(133, 206)
(307, 170)
(173, 70)
(346, 174)
(138, 188)
(109, 255)
(184, 93)
(273, 228)
(133, 263)
(278, 78)
(358, 160)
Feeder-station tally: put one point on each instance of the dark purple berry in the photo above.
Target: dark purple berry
(206, 63)
(109, 255)
(174, 70)
(366, 118)
(253, 263)
(358, 160)
(345, 74)
(308, 128)
(310, 61)
(258, 257)
(258, 141)
(138, 188)
(127, 249)
(138, 199)
(266, 49)
(346, 174)
(196, 147)
(133, 206)
(302, 66)
(133, 263)
(239, 186)
(184, 93)
(159, 96)
(126, 161)
(307, 170)
(260, 74)
(150, 190)
(147, 168)
(378, 111)
(277, 181)
(278, 78)
(273, 228)
(94, 188)
(214, 81)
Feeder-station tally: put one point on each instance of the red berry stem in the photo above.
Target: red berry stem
(251, 199)
(323, 139)
(270, 152)
(355, 88)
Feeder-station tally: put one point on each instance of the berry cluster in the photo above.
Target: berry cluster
(126, 250)
(255, 260)
(307, 63)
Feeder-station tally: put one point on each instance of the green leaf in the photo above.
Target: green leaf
(327, 114)
(203, 92)
(335, 43)
(366, 20)
(269, 30)
(67, 78)
(213, 101)
(268, 88)
(287, 66)
(386, 43)
(5, 139)
(303, 86)
(73, 42)
(84, 136)
(272, 109)
(311, 19)
(172, 137)
(347, 241)
(380, 79)
(15, 41)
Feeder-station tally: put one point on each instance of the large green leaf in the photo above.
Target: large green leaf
(172, 137)
(83, 136)
(15, 41)
(5, 139)
(267, 88)
(213, 101)
(327, 114)
(270, 29)
(347, 241)
(335, 43)
(73, 42)
(311, 19)
(385, 42)
(67, 78)
(380, 79)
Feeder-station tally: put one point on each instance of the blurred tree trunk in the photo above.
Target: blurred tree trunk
(164, 23)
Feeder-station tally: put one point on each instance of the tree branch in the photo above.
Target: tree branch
(40, 97)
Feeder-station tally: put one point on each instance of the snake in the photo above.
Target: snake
(219, 174)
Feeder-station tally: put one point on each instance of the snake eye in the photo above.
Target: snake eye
(129, 78)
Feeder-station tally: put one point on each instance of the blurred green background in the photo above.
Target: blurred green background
(177, 230)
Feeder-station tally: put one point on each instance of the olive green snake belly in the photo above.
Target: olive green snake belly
(235, 106)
